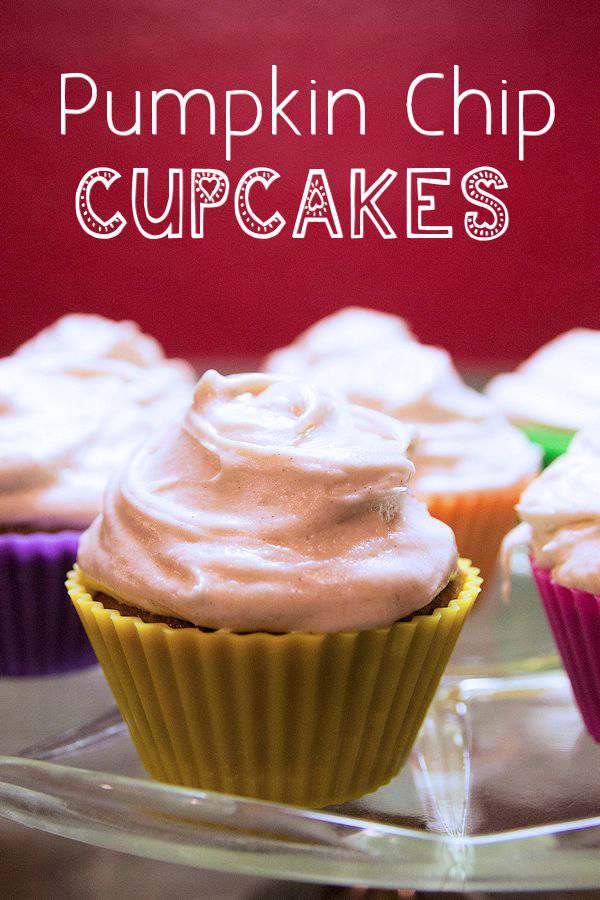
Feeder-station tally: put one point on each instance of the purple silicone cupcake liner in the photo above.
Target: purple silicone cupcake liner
(574, 617)
(40, 632)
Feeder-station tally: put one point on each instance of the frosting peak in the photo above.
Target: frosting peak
(273, 507)
(262, 420)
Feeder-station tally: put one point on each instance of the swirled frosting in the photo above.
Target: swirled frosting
(562, 511)
(274, 506)
(74, 402)
(558, 387)
(463, 440)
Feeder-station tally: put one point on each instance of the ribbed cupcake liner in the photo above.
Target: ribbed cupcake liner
(553, 441)
(479, 519)
(307, 719)
(574, 617)
(40, 633)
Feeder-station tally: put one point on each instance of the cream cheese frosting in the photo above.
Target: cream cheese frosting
(74, 403)
(561, 512)
(273, 506)
(558, 387)
(347, 332)
(463, 441)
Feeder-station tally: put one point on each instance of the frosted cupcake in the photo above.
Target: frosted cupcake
(471, 463)
(272, 607)
(561, 515)
(352, 331)
(74, 403)
(555, 392)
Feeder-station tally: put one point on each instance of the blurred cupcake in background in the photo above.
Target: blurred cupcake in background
(560, 512)
(75, 401)
(555, 392)
(272, 606)
(471, 463)
(348, 332)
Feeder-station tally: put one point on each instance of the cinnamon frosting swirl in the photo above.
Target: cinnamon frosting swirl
(272, 506)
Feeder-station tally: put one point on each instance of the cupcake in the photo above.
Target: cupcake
(74, 403)
(344, 333)
(272, 607)
(560, 512)
(471, 463)
(555, 392)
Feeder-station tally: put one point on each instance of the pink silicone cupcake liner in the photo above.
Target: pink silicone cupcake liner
(40, 632)
(574, 617)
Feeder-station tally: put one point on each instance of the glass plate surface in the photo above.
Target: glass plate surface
(506, 637)
(502, 790)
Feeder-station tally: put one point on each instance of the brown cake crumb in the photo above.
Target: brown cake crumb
(443, 599)
(144, 615)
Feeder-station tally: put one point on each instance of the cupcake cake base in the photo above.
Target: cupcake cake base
(307, 719)
(442, 600)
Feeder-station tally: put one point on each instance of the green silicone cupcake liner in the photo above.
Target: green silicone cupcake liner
(552, 441)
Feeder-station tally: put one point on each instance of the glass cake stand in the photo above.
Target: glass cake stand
(501, 793)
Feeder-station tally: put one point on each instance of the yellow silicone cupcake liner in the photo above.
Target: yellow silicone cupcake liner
(307, 719)
(479, 519)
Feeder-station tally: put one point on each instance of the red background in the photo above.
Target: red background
(230, 294)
